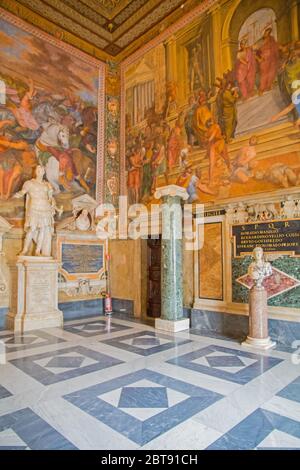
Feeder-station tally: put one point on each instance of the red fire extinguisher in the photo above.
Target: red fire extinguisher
(107, 299)
(107, 305)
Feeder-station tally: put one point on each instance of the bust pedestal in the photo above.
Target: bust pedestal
(34, 294)
(258, 337)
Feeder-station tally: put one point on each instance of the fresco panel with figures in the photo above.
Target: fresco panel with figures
(48, 116)
(215, 107)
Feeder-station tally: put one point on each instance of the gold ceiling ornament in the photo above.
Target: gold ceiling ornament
(110, 4)
(103, 28)
(59, 34)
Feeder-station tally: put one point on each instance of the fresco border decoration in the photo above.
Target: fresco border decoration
(101, 73)
(112, 135)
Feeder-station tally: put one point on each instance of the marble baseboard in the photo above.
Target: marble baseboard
(3, 313)
(84, 308)
(186, 312)
(71, 310)
(89, 308)
(284, 332)
(81, 308)
(123, 306)
(236, 326)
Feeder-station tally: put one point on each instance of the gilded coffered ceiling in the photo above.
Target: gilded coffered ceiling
(106, 29)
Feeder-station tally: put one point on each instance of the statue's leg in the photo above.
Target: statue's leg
(46, 246)
(39, 242)
(27, 242)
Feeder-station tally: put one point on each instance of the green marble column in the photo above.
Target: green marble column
(171, 259)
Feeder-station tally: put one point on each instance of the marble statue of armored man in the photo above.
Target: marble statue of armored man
(259, 269)
(39, 213)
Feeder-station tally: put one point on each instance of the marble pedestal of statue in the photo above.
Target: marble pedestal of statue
(258, 337)
(34, 294)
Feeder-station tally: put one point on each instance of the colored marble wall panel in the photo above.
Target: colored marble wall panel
(211, 263)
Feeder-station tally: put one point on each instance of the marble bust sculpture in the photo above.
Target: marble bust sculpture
(39, 213)
(259, 269)
(83, 221)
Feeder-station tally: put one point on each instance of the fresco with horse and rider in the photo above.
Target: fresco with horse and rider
(48, 116)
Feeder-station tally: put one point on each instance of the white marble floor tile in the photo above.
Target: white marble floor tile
(229, 411)
(84, 431)
(189, 435)
(284, 407)
(280, 439)
(209, 382)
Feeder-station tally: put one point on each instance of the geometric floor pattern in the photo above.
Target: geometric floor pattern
(144, 404)
(226, 363)
(24, 430)
(94, 328)
(55, 366)
(262, 430)
(114, 384)
(30, 340)
(145, 343)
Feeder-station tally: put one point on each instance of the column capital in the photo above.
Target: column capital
(171, 190)
(170, 40)
(214, 9)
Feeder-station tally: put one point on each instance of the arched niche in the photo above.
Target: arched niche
(255, 24)
(236, 16)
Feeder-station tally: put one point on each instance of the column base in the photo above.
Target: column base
(172, 326)
(259, 343)
(28, 322)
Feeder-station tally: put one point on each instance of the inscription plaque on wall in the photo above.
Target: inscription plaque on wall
(276, 236)
(85, 258)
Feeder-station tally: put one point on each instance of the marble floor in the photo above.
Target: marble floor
(106, 383)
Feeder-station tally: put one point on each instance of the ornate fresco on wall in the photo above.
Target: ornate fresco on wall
(214, 108)
(49, 98)
(112, 135)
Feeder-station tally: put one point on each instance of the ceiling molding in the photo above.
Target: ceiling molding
(105, 29)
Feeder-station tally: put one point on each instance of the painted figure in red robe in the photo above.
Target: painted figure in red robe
(245, 69)
(268, 60)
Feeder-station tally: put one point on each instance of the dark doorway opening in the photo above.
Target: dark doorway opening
(153, 277)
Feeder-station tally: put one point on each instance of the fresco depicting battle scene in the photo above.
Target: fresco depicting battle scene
(218, 113)
(48, 116)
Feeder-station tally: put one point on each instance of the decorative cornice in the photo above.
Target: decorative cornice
(102, 28)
